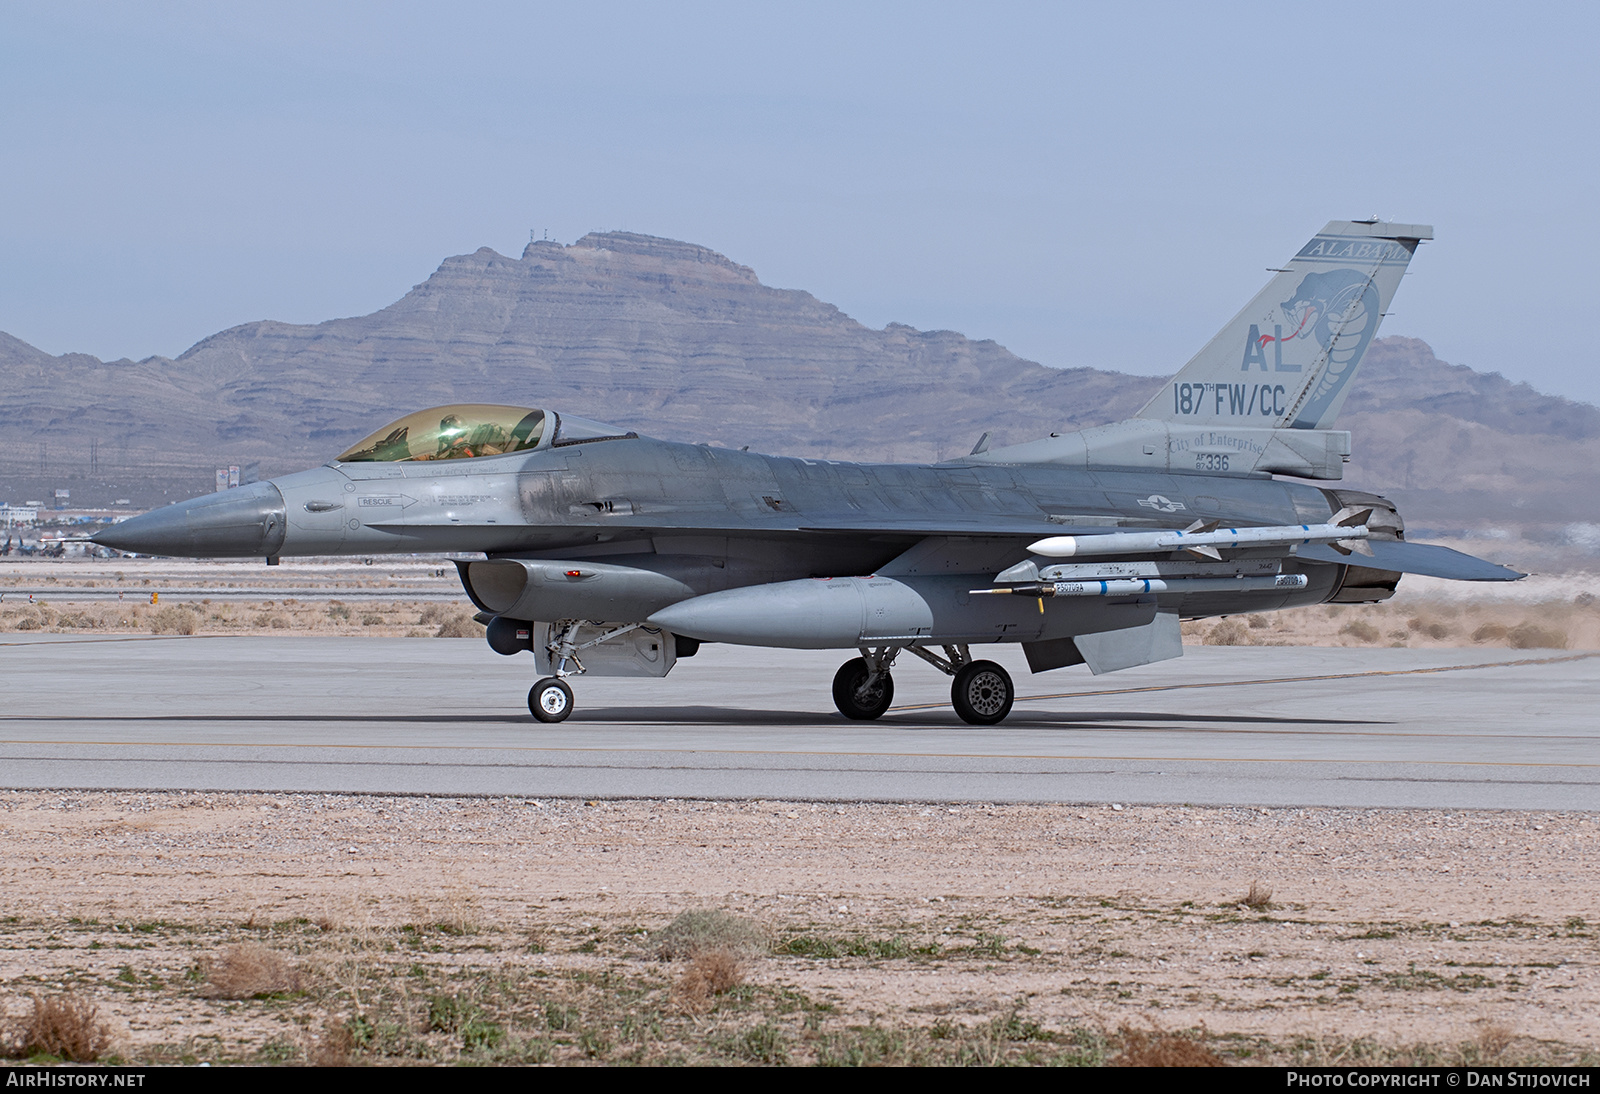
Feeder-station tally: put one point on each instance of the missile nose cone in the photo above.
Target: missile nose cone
(247, 520)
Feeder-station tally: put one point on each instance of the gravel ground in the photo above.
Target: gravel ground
(1387, 928)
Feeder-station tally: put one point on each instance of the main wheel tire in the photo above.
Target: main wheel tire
(982, 693)
(550, 700)
(863, 706)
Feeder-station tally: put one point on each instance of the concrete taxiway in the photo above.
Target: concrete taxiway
(1454, 729)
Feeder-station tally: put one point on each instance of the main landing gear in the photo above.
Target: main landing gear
(981, 691)
(862, 692)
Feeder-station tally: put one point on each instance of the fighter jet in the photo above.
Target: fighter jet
(608, 553)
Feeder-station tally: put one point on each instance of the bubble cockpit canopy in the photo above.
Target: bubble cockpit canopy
(460, 432)
(469, 430)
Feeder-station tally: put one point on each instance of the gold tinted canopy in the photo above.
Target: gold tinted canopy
(460, 432)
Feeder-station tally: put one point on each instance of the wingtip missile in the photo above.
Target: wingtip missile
(1201, 544)
(1144, 586)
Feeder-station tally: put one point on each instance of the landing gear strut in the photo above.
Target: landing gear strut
(863, 688)
(981, 692)
(551, 698)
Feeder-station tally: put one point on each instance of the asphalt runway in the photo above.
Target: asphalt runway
(1455, 729)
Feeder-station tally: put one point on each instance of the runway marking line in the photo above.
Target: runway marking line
(724, 752)
(1082, 725)
(1284, 680)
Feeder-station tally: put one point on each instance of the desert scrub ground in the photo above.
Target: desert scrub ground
(353, 596)
(1414, 623)
(1418, 624)
(325, 618)
(314, 928)
(457, 992)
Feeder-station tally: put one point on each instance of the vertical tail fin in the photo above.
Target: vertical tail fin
(1286, 360)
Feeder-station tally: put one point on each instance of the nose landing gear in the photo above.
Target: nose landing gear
(550, 700)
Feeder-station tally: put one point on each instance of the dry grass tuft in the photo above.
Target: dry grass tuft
(1361, 631)
(1158, 1048)
(1259, 896)
(174, 620)
(1230, 632)
(251, 971)
(1433, 628)
(706, 930)
(67, 1027)
(1493, 1041)
(460, 624)
(334, 1047)
(453, 910)
(1530, 636)
(710, 973)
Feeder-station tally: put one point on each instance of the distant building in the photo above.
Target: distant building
(18, 516)
(237, 475)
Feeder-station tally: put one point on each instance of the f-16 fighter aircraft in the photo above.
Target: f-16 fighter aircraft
(612, 554)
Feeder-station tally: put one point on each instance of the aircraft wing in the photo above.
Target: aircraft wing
(1396, 556)
(1426, 559)
(945, 525)
(719, 524)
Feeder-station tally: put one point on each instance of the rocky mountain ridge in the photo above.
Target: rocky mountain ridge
(676, 340)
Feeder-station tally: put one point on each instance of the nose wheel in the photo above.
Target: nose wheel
(982, 693)
(550, 700)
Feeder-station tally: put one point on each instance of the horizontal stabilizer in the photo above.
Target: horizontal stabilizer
(1426, 559)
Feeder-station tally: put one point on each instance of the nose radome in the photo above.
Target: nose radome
(248, 520)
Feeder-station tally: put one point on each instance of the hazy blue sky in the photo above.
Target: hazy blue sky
(1087, 184)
